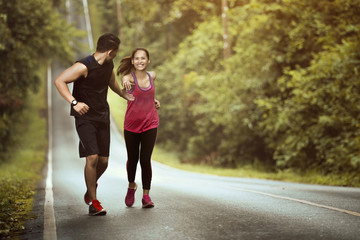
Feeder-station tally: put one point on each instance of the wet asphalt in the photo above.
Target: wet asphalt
(187, 205)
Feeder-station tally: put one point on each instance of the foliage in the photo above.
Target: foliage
(215, 126)
(258, 171)
(152, 25)
(313, 121)
(286, 98)
(30, 33)
(22, 169)
(286, 56)
(15, 193)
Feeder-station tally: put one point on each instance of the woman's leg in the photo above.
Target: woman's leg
(132, 141)
(148, 140)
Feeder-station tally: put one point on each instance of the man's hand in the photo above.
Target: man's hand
(128, 85)
(157, 104)
(81, 108)
(127, 95)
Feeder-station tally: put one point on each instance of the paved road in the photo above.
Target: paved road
(187, 205)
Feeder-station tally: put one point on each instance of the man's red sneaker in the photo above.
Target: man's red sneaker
(95, 209)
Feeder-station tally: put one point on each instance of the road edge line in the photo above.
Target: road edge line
(49, 215)
(300, 201)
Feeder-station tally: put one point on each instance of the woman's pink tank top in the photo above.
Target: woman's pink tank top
(141, 114)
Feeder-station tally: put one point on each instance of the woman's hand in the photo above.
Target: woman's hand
(157, 104)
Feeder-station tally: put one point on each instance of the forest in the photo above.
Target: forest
(261, 82)
(272, 84)
(31, 34)
(280, 90)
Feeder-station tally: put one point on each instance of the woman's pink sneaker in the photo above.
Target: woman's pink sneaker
(147, 203)
(130, 196)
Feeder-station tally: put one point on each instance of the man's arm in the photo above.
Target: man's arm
(127, 82)
(70, 75)
(114, 85)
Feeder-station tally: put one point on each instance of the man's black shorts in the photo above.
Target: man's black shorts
(94, 137)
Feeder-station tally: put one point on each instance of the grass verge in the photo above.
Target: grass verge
(22, 168)
(118, 109)
(309, 177)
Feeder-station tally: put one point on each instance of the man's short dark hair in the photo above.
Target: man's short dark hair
(106, 42)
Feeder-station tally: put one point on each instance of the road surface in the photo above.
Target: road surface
(187, 205)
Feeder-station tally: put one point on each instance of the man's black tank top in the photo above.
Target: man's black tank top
(93, 89)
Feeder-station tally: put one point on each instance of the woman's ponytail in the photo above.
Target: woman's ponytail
(125, 66)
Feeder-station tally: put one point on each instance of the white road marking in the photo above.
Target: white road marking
(49, 215)
(298, 200)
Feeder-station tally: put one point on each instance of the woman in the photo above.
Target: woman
(141, 121)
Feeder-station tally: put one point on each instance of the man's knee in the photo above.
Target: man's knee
(103, 160)
(92, 160)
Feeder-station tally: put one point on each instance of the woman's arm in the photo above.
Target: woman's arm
(153, 77)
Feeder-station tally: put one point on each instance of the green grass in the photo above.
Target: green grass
(310, 177)
(22, 169)
(118, 109)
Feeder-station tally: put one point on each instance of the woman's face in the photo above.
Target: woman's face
(140, 60)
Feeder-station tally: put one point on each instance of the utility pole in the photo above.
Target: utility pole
(169, 29)
(120, 19)
(88, 25)
(68, 9)
(225, 8)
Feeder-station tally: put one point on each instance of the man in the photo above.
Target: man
(92, 76)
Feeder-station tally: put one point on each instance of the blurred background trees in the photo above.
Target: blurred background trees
(31, 33)
(287, 97)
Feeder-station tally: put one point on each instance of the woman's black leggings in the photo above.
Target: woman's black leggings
(144, 141)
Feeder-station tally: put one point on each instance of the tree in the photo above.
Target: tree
(288, 99)
(31, 32)
(263, 110)
(317, 110)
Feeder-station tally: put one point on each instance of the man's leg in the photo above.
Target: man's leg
(101, 166)
(91, 175)
(103, 142)
(94, 144)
